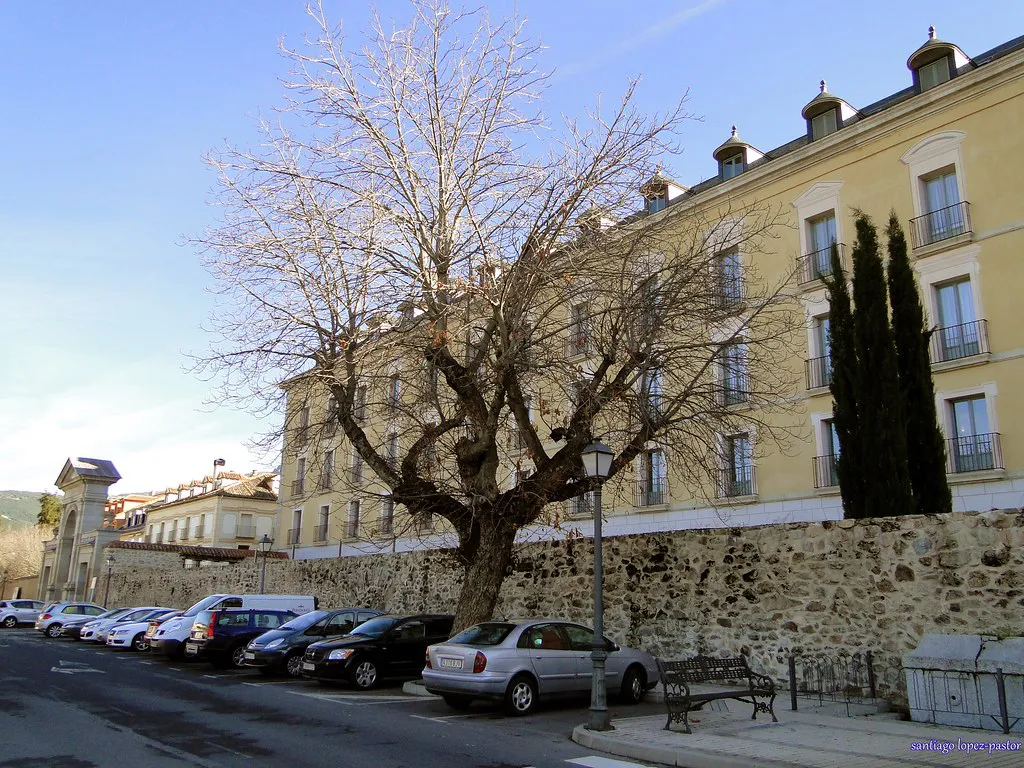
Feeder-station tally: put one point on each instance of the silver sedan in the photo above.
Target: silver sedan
(523, 662)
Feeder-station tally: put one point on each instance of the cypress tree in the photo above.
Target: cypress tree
(881, 419)
(926, 456)
(843, 386)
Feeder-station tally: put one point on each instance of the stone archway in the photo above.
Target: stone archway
(65, 550)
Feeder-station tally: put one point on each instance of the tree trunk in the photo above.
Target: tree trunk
(485, 574)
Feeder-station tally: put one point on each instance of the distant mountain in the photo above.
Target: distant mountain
(19, 507)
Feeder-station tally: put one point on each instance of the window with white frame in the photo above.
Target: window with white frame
(960, 333)
(652, 483)
(394, 398)
(934, 73)
(729, 288)
(356, 466)
(352, 524)
(821, 235)
(582, 505)
(737, 474)
(657, 202)
(734, 374)
(387, 516)
(392, 449)
(359, 403)
(296, 530)
(819, 365)
(652, 394)
(579, 329)
(973, 447)
(299, 483)
(935, 164)
(322, 523)
(331, 416)
(943, 215)
(732, 166)
(824, 124)
(825, 475)
(327, 471)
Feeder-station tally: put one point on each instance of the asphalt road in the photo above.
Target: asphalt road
(65, 704)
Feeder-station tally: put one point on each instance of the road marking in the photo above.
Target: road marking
(228, 749)
(73, 668)
(270, 682)
(593, 761)
(443, 719)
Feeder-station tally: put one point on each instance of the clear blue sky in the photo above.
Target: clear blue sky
(109, 106)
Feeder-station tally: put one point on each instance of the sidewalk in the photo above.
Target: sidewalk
(730, 739)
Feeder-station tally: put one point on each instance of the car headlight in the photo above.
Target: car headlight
(340, 654)
(274, 643)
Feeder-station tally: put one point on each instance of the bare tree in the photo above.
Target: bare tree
(416, 242)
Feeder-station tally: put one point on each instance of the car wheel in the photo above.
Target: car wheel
(364, 675)
(521, 696)
(293, 665)
(10, 621)
(139, 642)
(238, 657)
(460, 703)
(53, 630)
(634, 686)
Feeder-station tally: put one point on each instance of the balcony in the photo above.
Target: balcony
(943, 224)
(737, 481)
(302, 435)
(387, 525)
(184, 535)
(293, 535)
(245, 531)
(326, 481)
(818, 264)
(825, 475)
(172, 537)
(352, 528)
(818, 371)
(974, 453)
(582, 505)
(732, 393)
(355, 474)
(298, 486)
(320, 533)
(956, 342)
(651, 492)
(577, 344)
(199, 533)
(728, 295)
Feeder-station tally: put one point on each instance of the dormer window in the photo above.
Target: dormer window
(659, 191)
(732, 166)
(933, 74)
(656, 203)
(824, 124)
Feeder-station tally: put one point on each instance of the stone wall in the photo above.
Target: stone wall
(768, 591)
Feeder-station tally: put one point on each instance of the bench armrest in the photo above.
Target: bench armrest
(762, 681)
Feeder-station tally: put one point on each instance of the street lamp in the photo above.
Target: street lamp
(110, 568)
(4, 585)
(597, 462)
(264, 545)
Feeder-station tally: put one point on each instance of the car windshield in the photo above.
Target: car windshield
(483, 634)
(305, 621)
(375, 627)
(202, 605)
(111, 613)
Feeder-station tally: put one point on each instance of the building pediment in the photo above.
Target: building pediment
(99, 471)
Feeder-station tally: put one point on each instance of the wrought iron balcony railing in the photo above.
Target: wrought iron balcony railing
(818, 371)
(293, 535)
(728, 294)
(298, 486)
(732, 392)
(582, 505)
(933, 227)
(955, 342)
(737, 480)
(245, 531)
(818, 264)
(172, 537)
(199, 533)
(184, 534)
(825, 471)
(974, 453)
(651, 492)
(320, 533)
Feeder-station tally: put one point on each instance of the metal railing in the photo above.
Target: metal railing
(818, 264)
(320, 533)
(933, 227)
(650, 492)
(293, 535)
(582, 505)
(355, 473)
(578, 343)
(974, 453)
(955, 342)
(387, 524)
(298, 486)
(737, 480)
(818, 371)
(352, 527)
(245, 531)
(326, 481)
(732, 393)
(825, 475)
(728, 294)
(847, 678)
(172, 536)
(302, 434)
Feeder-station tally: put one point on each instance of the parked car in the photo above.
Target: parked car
(73, 627)
(169, 638)
(281, 649)
(53, 616)
(221, 636)
(97, 632)
(15, 612)
(523, 662)
(132, 634)
(387, 646)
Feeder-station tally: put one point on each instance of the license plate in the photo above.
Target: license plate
(451, 663)
(308, 666)
(250, 655)
(191, 650)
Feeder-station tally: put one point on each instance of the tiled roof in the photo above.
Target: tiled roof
(196, 553)
(256, 487)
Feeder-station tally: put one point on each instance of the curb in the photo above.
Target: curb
(416, 688)
(682, 758)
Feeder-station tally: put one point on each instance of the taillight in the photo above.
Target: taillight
(479, 663)
(428, 659)
(45, 616)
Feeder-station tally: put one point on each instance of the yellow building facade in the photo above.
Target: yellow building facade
(942, 154)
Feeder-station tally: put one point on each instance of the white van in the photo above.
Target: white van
(169, 638)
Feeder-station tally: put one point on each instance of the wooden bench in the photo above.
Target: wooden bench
(678, 676)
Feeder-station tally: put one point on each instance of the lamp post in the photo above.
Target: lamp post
(3, 586)
(264, 545)
(597, 462)
(216, 463)
(110, 568)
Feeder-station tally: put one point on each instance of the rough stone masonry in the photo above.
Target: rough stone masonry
(852, 585)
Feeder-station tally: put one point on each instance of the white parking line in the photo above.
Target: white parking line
(270, 682)
(593, 761)
(443, 720)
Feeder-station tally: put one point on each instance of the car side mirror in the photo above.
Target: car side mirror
(612, 647)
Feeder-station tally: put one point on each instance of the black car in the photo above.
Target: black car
(221, 636)
(281, 649)
(388, 646)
